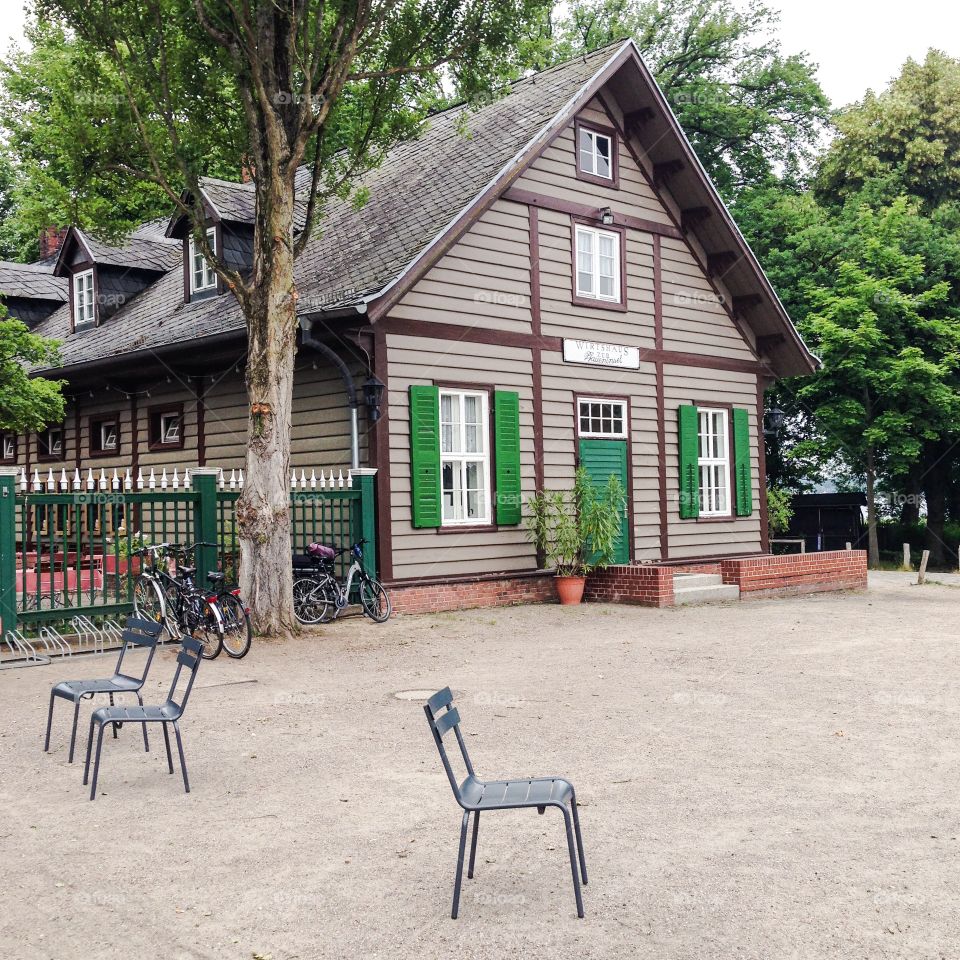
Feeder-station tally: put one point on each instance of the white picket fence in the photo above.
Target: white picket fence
(177, 480)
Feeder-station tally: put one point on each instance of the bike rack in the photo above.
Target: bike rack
(23, 653)
(54, 643)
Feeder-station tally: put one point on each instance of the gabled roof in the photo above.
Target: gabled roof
(32, 281)
(145, 249)
(429, 191)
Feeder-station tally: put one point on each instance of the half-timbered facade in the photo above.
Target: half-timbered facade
(545, 282)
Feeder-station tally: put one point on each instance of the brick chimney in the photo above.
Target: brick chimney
(51, 240)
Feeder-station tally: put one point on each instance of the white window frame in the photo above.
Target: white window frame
(592, 153)
(713, 471)
(460, 459)
(9, 450)
(200, 266)
(595, 236)
(109, 428)
(165, 423)
(54, 450)
(84, 300)
(602, 434)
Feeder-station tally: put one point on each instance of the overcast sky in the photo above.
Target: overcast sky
(857, 44)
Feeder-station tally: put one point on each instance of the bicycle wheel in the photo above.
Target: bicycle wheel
(148, 599)
(205, 623)
(237, 632)
(374, 600)
(310, 601)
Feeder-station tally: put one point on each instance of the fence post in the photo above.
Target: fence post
(366, 477)
(204, 483)
(8, 549)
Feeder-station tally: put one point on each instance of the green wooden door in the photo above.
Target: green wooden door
(602, 458)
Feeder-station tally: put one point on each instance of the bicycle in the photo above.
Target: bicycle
(237, 630)
(314, 594)
(176, 601)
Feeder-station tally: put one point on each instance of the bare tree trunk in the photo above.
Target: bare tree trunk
(263, 512)
(873, 544)
(910, 508)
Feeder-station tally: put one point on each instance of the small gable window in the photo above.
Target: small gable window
(84, 306)
(597, 154)
(104, 436)
(597, 264)
(8, 447)
(166, 427)
(50, 443)
(202, 276)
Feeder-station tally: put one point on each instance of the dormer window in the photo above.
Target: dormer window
(202, 276)
(84, 305)
(597, 154)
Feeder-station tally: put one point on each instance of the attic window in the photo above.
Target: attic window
(84, 305)
(597, 154)
(202, 277)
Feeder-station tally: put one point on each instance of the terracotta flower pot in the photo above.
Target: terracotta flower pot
(570, 589)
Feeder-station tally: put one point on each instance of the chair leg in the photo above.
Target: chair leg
(573, 862)
(576, 830)
(73, 732)
(114, 725)
(46, 743)
(86, 766)
(166, 740)
(473, 844)
(146, 742)
(183, 763)
(96, 764)
(463, 847)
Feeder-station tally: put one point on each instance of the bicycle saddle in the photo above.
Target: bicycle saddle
(215, 576)
(186, 571)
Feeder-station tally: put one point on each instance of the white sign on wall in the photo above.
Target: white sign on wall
(601, 354)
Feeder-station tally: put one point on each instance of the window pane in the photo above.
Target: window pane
(606, 288)
(586, 151)
(603, 156)
(449, 496)
(584, 282)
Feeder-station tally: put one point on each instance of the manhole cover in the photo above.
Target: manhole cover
(414, 694)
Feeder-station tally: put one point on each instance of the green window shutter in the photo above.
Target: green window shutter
(741, 463)
(506, 425)
(689, 444)
(425, 455)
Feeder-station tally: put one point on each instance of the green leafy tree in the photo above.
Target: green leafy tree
(748, 108)
(889, 339)
(26, 403)
(149, 95)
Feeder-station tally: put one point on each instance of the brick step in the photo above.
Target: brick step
(691, 588)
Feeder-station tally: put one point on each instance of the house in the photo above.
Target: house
(559, 284)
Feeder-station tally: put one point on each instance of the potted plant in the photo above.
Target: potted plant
(575, 531)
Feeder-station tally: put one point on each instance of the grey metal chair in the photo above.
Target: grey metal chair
(136, 633)
(475, 795)
(167, 713)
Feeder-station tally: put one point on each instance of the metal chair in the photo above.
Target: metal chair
(137, 633)
(168, 713)
(476, 795)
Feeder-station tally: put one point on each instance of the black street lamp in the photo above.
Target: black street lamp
(773, 422)
(373, 396)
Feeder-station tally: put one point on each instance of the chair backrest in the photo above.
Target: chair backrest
(187, 659)
(443, 717)
(139, 633)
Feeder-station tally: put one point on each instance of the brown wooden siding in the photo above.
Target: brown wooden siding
(698, 538)
(429, 553)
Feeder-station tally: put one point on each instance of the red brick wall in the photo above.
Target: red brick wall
(797, 573)
(642, 584)
(503, 592)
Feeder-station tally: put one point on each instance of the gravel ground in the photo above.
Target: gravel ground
(773, 779)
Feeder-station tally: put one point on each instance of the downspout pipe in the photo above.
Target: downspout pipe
(308, 340)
